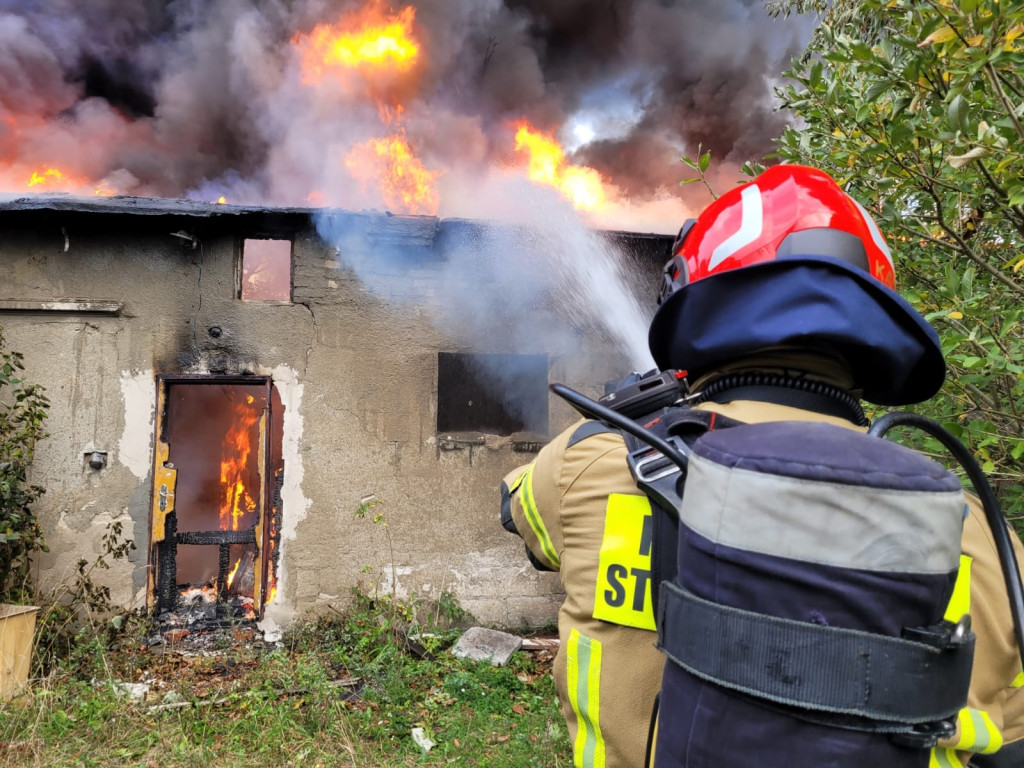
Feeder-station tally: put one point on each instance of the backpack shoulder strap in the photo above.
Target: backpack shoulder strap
(680, 421)
(656, 475)
(660, 480)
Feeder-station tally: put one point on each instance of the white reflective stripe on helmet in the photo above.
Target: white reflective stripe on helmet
(876, 234)
(751, 225)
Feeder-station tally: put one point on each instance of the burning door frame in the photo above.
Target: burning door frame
(165, 518)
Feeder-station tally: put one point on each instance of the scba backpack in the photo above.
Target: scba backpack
(807, 624)
(804, 592)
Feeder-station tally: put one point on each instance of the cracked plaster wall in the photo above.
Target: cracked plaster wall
(357, 376)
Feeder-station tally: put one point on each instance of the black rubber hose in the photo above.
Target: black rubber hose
(594, 410)
(993, 512)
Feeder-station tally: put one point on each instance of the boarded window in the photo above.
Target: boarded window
(497, 394)
(266, 270)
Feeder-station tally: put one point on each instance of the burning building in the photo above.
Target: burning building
(234, 383)
(279, 262)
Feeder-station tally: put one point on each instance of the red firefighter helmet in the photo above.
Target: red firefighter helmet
(788, 211)
(790, 260)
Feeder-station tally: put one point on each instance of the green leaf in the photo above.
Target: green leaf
(967, 282)
(898, 106)
(815, 75)
(862, 51)
(952, 280)
(877, 89)
(956, 114)
(705, 160)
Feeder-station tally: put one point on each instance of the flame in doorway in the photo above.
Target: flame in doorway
(237, 502)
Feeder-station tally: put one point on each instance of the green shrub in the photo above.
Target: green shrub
(23, 408)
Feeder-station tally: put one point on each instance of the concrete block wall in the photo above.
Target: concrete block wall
(356, 371)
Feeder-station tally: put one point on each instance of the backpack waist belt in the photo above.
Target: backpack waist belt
(829, 670)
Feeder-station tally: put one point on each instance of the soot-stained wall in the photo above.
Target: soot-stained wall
(104, 300)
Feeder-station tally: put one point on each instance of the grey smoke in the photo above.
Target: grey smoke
(188, 97)
(544, 284)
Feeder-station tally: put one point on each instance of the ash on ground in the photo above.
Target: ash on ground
(201, 622)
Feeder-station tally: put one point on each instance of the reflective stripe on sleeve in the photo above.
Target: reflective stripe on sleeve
(534, 519)
(971, 724)
(519, 480)
(960, 600)
(977, 732)
(583, 655)
(944, 758)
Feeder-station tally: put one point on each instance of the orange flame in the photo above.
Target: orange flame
(56, 180)
(390, 114)
(389, 163)
(272, 547)
(221, 200)
(231, 576)
(52, 178)
(582, 186)
(237, 501)
(368, 38)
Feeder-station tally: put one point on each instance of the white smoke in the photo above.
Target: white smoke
(531, 281)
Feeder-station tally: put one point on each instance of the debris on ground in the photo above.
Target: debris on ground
(134, 691)
(422, 740)
(480, 644)
(540, 643)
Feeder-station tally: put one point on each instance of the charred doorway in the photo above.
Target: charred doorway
(216, 498)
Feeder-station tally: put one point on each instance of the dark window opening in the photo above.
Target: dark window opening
(266, 273)
(497, 394)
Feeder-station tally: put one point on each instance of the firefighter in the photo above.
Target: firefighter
(779, 303)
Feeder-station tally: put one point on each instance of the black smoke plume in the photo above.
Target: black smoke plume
(196, 98)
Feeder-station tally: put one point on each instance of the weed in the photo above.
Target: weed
(338, 692)
(448, 612)
(79, 615)
(23, 409)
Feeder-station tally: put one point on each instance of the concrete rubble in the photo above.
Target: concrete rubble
(491, 645)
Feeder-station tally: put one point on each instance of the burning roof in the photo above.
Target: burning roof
(418, 108)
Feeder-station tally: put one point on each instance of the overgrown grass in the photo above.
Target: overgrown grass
(339, 691)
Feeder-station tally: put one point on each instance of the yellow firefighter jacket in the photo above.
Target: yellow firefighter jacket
(580, 513)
